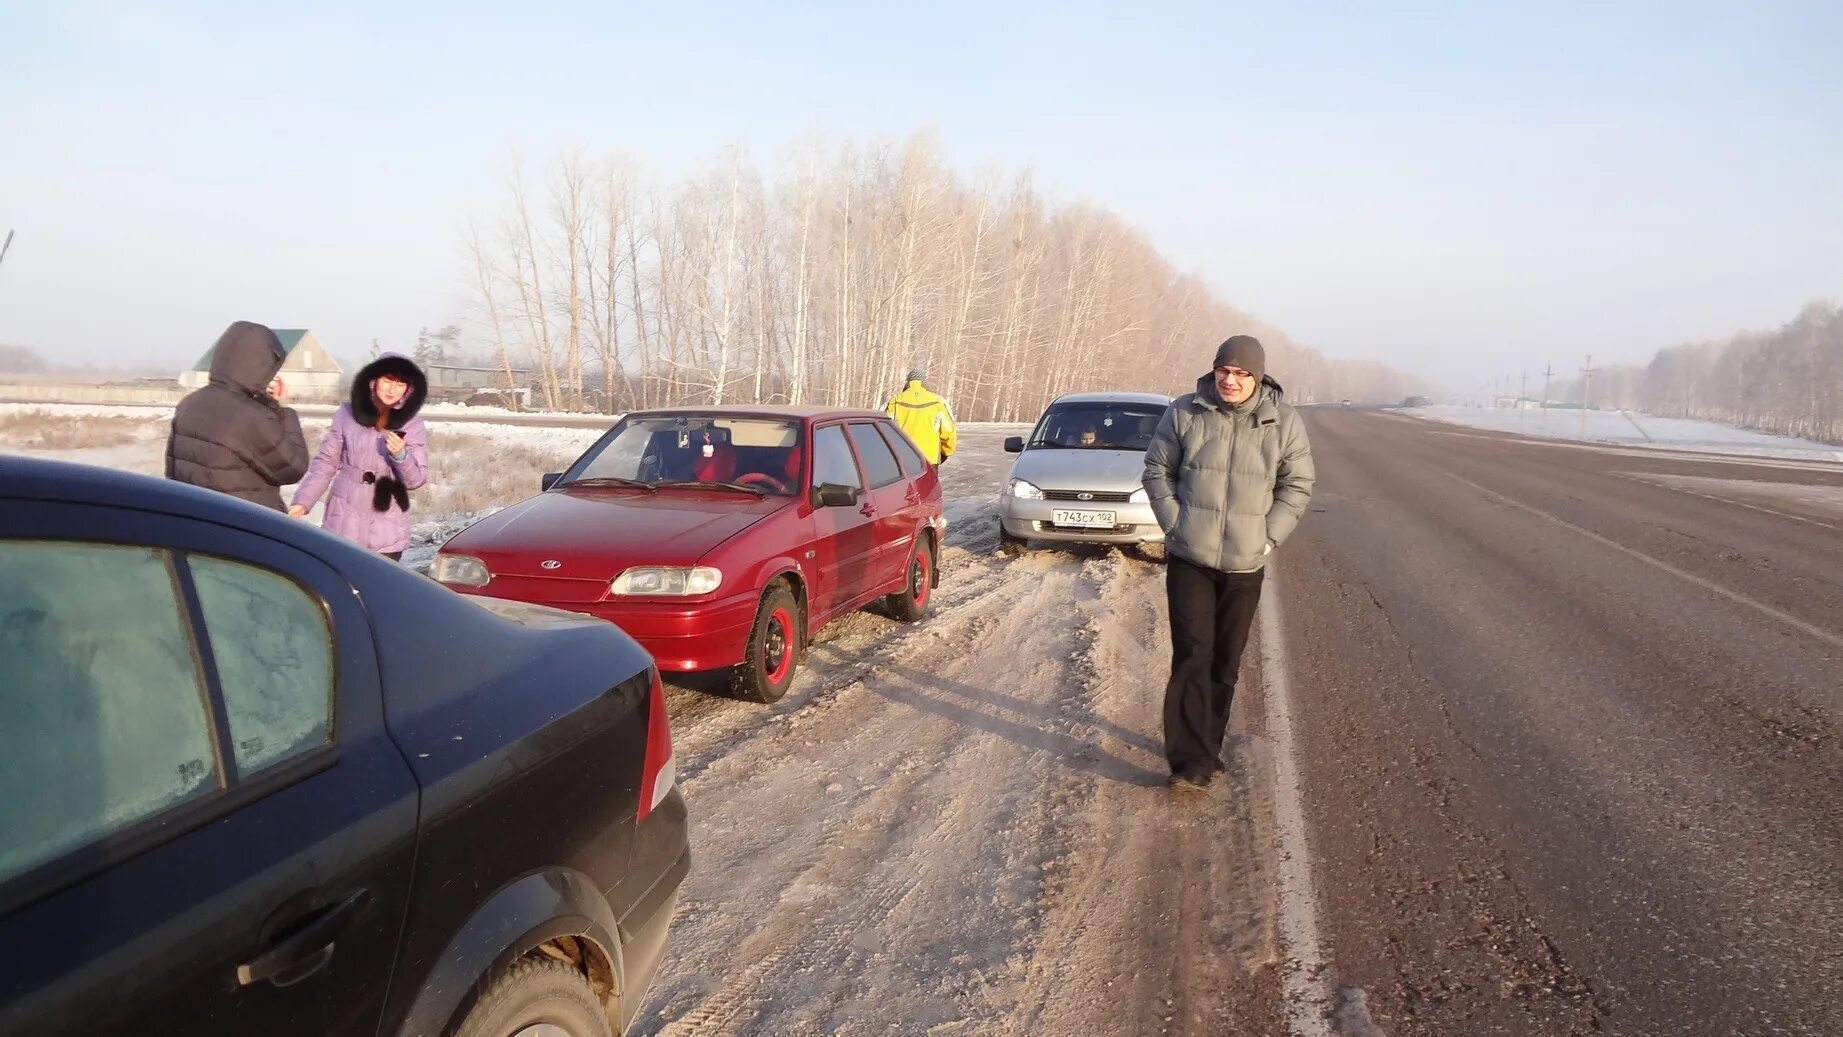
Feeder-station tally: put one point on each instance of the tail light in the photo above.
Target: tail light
(658, 774)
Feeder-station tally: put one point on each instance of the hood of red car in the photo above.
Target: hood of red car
(595, 533)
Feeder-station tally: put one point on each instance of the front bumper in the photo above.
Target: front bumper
(681, 636)
(1036, 520)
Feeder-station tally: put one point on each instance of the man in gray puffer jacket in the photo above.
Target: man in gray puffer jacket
(1229, 472)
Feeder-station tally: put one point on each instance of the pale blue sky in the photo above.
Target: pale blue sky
(1462, 190)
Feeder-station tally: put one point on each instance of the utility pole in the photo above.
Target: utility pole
(1522, 391)
(6, 245)
(1548, 371)
(1586, 392)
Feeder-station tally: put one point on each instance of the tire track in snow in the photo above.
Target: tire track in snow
(867, 883)
(1164, 920)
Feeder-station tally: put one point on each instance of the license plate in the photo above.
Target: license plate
(1084, 519)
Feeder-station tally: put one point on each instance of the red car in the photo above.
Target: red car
(721, 538)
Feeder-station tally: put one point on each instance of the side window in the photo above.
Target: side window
(879, 463)
(274, 657)
(832, 461)
(106, 717)
(912, 462)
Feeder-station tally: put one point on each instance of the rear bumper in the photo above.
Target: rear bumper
(663, 850)
(1035, 520)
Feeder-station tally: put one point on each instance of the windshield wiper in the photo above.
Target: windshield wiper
(614, 480)
(703, 484)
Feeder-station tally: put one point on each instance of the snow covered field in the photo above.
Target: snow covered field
(1629, 428)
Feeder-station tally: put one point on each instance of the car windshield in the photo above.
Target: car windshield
(757, 455)
(1097, 425)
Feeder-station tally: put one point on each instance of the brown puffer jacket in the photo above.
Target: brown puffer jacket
(230, 435)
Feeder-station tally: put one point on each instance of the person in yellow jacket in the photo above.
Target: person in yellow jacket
(925, 417)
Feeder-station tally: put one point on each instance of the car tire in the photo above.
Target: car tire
(1009, 545)
(536, 992)
(911, 603)
(773, 654)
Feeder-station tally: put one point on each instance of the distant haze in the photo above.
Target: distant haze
(1464, 192)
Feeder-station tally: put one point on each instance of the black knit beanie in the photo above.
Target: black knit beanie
(1245, 352)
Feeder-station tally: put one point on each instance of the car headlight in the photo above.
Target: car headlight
(460, 570)
(1025, 491)
(1140, 496)
(666, 582)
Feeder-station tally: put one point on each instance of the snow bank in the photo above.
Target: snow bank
(1630, 428)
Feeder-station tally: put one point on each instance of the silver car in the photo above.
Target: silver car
(1077, 477)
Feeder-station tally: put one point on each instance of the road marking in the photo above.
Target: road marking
(1305, 973)
(1715, 588)
(1658, 481)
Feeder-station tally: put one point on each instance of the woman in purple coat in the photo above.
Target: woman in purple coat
(375, 452)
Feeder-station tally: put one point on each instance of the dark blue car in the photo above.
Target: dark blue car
(254, 780)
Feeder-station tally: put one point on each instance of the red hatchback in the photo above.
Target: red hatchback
(721, 538)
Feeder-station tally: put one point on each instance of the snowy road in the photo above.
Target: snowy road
(962, 827)
(1569, 762)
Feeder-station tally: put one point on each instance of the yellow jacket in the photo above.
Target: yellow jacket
(927, 420)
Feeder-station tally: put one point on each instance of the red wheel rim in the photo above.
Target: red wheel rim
(918, 579)
(778, 646)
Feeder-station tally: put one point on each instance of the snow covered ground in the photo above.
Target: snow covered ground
(1630, 428)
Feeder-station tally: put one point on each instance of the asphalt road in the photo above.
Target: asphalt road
(1569, 729)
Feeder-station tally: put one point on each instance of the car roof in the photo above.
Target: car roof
(761, 410)
(1114, 397)
(36, 479)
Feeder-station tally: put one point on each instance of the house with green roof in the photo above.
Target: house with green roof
(310, 372)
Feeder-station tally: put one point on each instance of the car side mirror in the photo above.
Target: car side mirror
(550, 479)
(1014, 445)
(836, 495)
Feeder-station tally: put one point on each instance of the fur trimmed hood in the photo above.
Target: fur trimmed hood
(395, 365)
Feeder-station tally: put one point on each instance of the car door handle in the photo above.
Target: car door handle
(307, 950)
(868, 511)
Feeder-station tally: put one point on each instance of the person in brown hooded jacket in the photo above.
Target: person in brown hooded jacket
(232, 435)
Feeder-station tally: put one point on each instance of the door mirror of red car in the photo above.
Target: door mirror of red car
(836, 495)
(1014, 445)
(550, 479)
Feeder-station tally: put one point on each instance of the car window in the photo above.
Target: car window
(912, 461)
(274, 658)
(106, 718)
(832, 463)
(1097, 425)
(879, 463)
(763, 452)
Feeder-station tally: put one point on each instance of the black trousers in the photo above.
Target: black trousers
(1211, 615)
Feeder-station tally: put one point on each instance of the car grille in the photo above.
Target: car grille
(1121, 529)
(1093, 496)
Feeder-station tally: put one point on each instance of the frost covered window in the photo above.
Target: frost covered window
(275, 660)
(105, 722)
